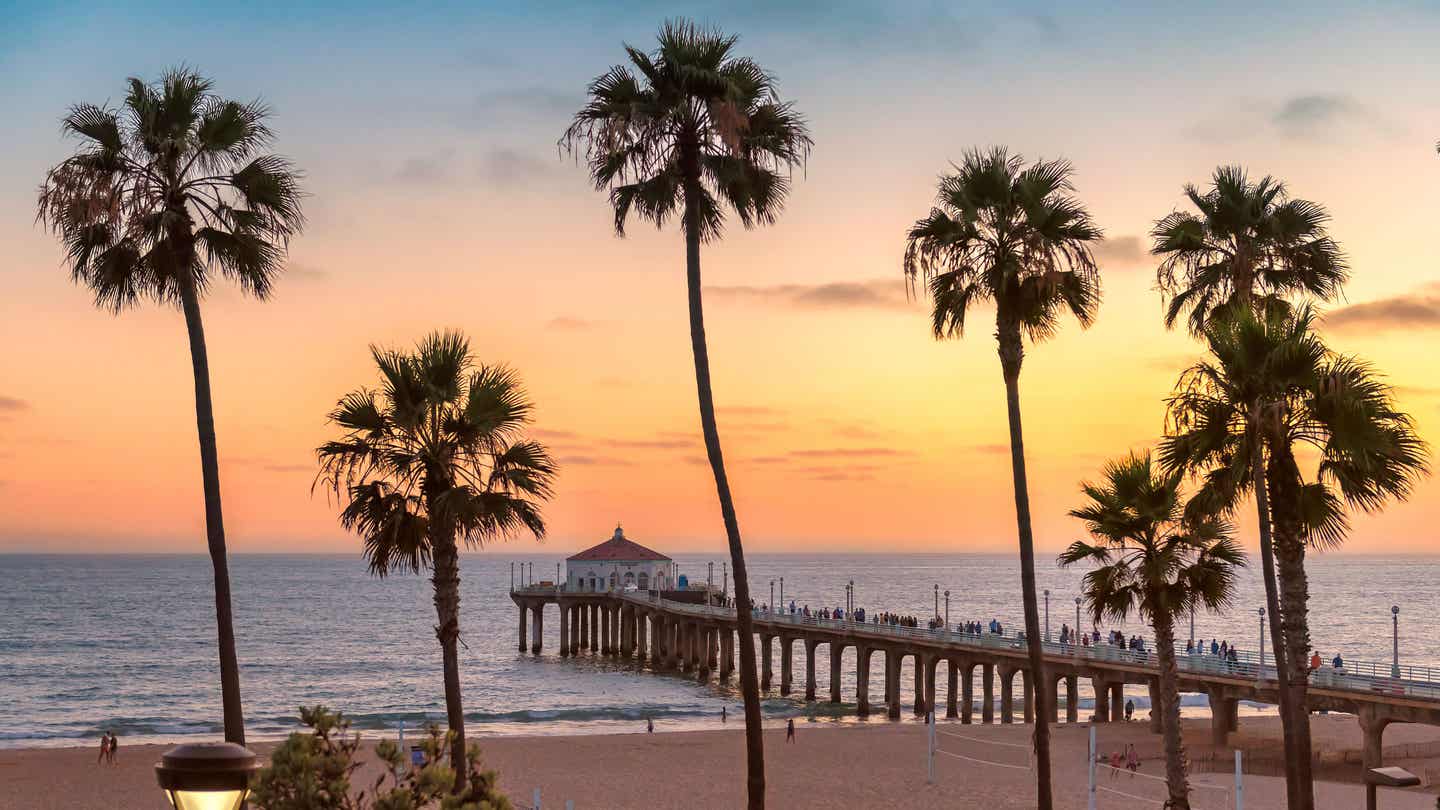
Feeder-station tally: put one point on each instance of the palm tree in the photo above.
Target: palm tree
(163, 193)
(436, 456)
(1252, 247)
(1013, 235)
(1271, 383)
(694, 129)
(1152, 560)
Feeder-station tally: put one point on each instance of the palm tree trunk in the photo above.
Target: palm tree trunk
(1176, 766)
(1011, 356)
(446, 582)
(214, 522)
(1272, 605)
(749, 683)
(1283, 477)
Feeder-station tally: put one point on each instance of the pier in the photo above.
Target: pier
(699, 640)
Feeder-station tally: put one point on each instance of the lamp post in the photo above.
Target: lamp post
(937, 600)
(1260, 672)
(1192, 622)
(557, 575)
(947, 610)
(1073, 639)
(1047, 614)
(772, 596)
(725, 573)
(782, 594)
(512, 576)
(206, 776)
(1395, 622)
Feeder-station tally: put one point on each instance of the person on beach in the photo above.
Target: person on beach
(114, 744)
(1129, 710)
(1116, 759)
(649, 725)
(104, 747)
(724, 715)
(1132, 759)
(790, 730)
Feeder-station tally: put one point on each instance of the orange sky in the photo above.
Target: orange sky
(845, 425)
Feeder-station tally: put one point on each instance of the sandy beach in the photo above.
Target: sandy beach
(829, 766)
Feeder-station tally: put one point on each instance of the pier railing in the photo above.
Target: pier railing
(1419, 682)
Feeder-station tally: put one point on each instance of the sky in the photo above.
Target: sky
(438, 199)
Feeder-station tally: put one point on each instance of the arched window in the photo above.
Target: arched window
(589, 575)
(629, 578)
(614, 580)
(644, 581)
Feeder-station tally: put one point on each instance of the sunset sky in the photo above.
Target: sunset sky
(438, 199)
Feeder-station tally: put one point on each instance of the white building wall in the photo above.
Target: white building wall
(584, 575)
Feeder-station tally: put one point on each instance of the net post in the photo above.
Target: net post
(930, 752)
(1239, 782)
(1090, 798)
(536, 801)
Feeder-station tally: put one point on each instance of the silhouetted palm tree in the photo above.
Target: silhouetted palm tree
(1272, 382)
(692, 130)
(170, 189)
(436, 456)
(1152, 560)
(1248, 246)
(1012, 235)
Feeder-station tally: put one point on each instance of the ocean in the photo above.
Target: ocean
(127, 642)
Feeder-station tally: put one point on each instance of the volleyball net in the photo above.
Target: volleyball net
(1116, 784)
(954, 746)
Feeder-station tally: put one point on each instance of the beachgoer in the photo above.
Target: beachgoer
(104, 747)
(724, 715)
(1337, 662)
(1132, 760)
(1314, 660)
(650, 725)
(114, 744)
(790, 730)
(1129, 710)
(1116, 760)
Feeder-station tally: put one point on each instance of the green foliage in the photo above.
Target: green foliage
(168, 189)
(689, 126)
(1248, 245)
(438, 452)
(314, 772)
(1009, 234)
(1150, 557)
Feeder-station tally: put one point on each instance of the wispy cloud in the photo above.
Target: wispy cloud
(882, 294)
(1119, 252)
(568, 323)
(554, 435)
(1304, 117)
(651, 444)
(850, 452)
(502, 106)
(580, 460)
(12, 405)
(1419, 309)
(1309, 116)
(431, 169)
(305, 272)
(512, 167)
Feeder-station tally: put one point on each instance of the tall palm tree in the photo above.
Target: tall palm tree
(1248, 246)
(1152, 560)
(691, 128)
(162, 194)
(436, 456)
(1012, 235)
(1272, 384)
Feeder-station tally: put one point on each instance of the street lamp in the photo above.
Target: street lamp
(1260, 673)
(937, 600)
(206, 776)
(782, 593)
(1077, 614)
(1192, 621)
(947, 610)
(1047, 614)
(1395, 620)
(772, 596)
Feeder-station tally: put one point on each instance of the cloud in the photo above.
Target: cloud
(849, 452)
(511, 167)
(991, 449)
(651, 444)
(1170, 362)
(287, 468)
(553, 435)
(1312, 115)
(427, 169)
(748, 410)
(13, 405)
(268, 465)
(305, 272)
(500, 107)
(1122, 251)
(595, 461)
(567, 323)
(1419, 309)
(883, 294)
(1417, 391)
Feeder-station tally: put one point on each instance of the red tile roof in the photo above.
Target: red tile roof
(617, 548)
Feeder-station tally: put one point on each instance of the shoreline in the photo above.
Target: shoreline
(829, 766)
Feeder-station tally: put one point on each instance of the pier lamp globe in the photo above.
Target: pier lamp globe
(206, 776)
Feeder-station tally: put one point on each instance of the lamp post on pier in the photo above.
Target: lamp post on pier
(725, 574)
(772, 596)
(1047, 614)
(937, 600)
(1077, 623)
(1260, 672)
(1395, 660)
(782, 594)
(1192, 621)
(512, 576)
(947, 610)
